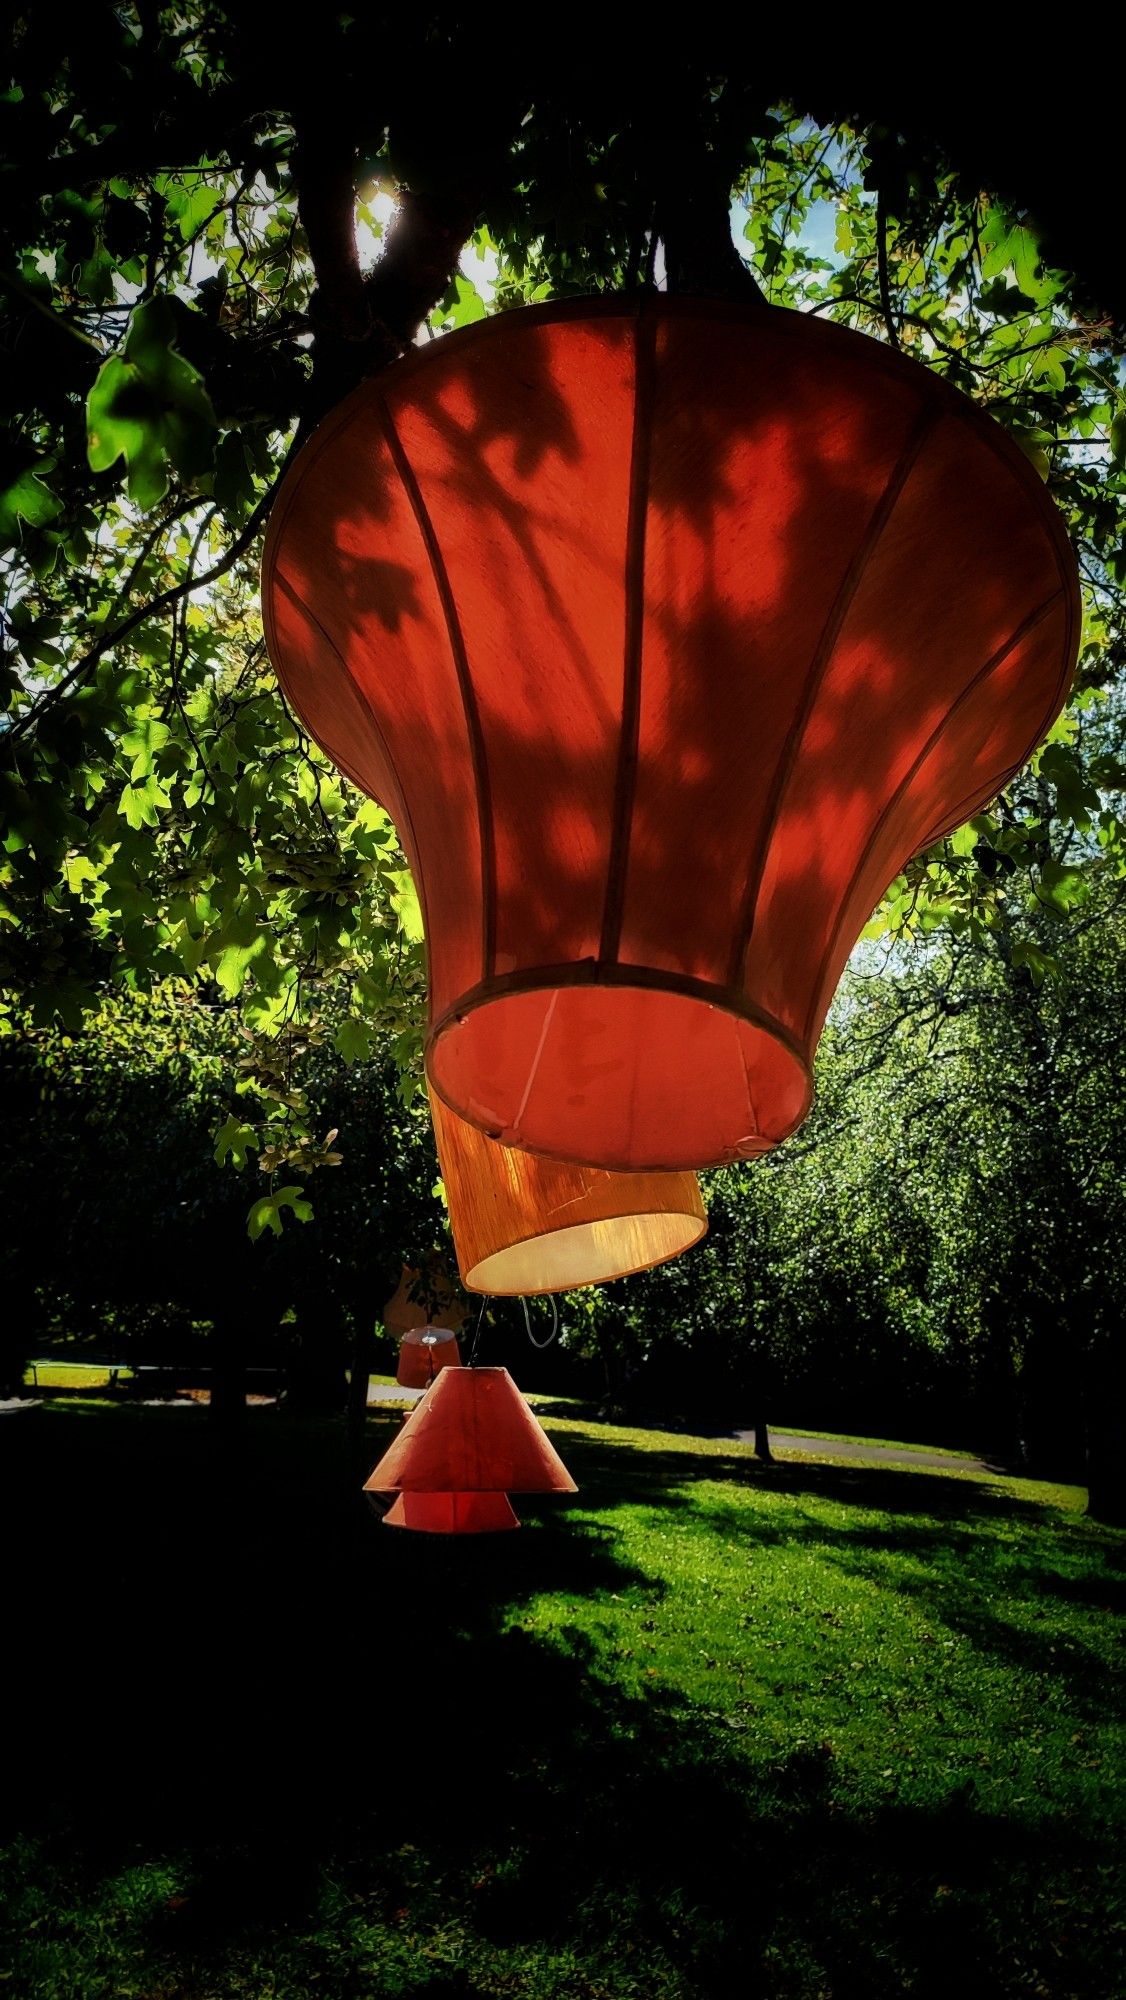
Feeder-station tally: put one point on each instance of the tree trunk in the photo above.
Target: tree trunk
(1106, 1443)
(762, 1441)
(316, 1362)
(363, 1353)
(228, 1378)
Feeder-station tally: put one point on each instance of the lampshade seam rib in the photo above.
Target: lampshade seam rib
(536, 1060)
(402, 817)
(996, 659)
(819, 665)
(482, 787)
(625, 780)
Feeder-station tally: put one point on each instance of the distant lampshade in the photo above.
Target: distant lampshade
(523, 1224)
(421, 1302)
(422, 1352)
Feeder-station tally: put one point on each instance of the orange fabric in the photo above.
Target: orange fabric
(667, 630)
(422, 1352)
(451, 1513)
(471, 1433)
(522, 1224)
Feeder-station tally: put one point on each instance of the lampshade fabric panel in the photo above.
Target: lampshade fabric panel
(452, 1513)
(667, 631)
(422, 1352)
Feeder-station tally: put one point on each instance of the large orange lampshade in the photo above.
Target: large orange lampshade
(667, 630)
(522, 1224)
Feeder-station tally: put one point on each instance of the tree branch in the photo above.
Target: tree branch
(84, 667)
(882, 268)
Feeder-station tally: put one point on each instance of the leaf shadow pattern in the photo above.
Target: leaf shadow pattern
(332, 1731)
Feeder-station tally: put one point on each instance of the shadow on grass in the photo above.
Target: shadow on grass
(945, 1538)
(620, 1473)
(333, 1733)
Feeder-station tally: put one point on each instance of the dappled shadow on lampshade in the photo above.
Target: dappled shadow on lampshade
(522, 1224)
(667, 631)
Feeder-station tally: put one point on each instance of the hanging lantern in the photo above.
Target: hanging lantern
(667, 631)
(423, 1352)
(471, 1437)
(524, 1225)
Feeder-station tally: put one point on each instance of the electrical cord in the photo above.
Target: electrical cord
(541, 1344)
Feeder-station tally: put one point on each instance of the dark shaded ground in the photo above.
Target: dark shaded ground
(227, 1661)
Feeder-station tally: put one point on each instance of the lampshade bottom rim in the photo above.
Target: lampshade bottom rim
(643, 1074)
(584, 1253)
(463, 1513)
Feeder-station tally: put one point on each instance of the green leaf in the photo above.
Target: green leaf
(141, 801)
(27, 499)
(149, 406)
(142, 743)
(1032, 445)
(404, 896)
(236, 1140)
(1039, 964)
(234, 963)
(267, 1213)
(352, 1040)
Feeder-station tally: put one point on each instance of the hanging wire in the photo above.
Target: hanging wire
(554, 1324)
(472, 1361)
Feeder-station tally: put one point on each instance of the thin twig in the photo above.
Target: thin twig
(85, 666)
(178, 646)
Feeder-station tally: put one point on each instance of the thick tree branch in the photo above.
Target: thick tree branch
(324, 171)
(362, 324)
(697, 170)
(882, 269)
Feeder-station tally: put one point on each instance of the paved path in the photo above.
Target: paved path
(781, 1442)
(869, 1454)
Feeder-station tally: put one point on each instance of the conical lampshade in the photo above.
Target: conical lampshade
(471, 1433)
(522, 1224)
(667, 630)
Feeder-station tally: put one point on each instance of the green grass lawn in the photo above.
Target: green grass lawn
(708, 1729)
(73, 1375)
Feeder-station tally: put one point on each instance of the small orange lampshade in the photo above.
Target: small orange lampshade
(451, 1513)
(522, 1224)
(422, 1352)
(471, 1433)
